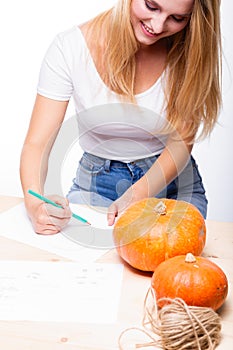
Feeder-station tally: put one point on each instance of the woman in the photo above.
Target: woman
(160, 57)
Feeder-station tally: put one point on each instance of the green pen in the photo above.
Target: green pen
(46, 200)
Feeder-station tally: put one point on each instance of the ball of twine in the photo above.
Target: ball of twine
(177, 326)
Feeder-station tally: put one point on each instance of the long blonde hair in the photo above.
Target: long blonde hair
(193, 70)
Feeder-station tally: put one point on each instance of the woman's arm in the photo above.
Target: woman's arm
(47, 117)
(169, 164)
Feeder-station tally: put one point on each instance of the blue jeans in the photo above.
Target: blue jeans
(101, 181)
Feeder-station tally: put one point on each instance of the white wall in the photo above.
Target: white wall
(214, 155)
(27, 28)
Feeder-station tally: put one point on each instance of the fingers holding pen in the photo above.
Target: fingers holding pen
(56, 218)
(48, 219)
(62, 212)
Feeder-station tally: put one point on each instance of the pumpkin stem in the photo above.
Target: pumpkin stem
(190, 258)
(160, 208)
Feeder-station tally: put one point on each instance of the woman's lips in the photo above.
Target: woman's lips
(147, 30)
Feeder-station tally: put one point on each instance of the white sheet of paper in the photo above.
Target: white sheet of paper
(78, 242)
(96, 216)
(60, 291)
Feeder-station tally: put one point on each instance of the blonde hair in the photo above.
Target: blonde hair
(193, 70)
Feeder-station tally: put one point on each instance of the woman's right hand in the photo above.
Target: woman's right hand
(47, 219)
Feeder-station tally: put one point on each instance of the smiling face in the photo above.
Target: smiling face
(156, 19)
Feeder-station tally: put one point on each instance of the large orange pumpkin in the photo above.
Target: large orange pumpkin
(196, 280)
(153, 230)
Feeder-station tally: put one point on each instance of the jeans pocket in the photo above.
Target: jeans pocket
(90, 165)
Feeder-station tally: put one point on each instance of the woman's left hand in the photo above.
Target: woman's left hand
(121, 204)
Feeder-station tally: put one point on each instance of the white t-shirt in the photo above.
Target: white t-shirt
(107, 127)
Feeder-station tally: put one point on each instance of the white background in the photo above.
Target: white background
(27, 28)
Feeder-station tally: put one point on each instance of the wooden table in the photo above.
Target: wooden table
(75, 336)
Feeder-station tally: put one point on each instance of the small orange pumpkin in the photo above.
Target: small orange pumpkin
(153, 230)
(196, 280)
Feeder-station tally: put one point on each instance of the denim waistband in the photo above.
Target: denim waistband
(117, 163)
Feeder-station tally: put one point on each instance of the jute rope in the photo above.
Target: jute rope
(177, 326)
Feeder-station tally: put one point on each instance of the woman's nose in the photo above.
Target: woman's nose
(158, 23)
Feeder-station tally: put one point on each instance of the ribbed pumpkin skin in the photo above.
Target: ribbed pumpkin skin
(144, 238)
(200, 283)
